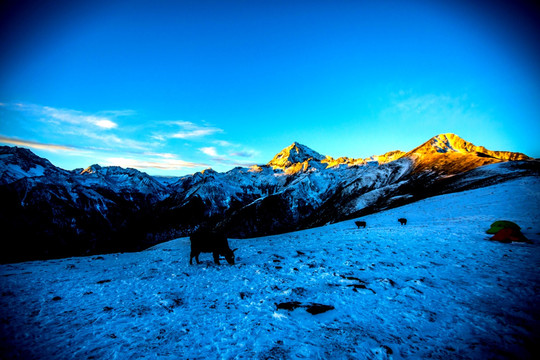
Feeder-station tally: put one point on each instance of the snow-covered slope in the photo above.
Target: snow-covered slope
(435, 288)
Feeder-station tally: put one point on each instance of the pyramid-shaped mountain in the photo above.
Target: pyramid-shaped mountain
(296, 153)
(451, 143)
(449, 154)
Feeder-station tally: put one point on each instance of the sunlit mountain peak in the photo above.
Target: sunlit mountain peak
(296, 153)
(450, 154)
(208, 171)
(449, 142)
(452, 143)
(92, 169)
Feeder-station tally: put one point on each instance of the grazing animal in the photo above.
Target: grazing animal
(402, 221)
(360, 223)
(210, 242)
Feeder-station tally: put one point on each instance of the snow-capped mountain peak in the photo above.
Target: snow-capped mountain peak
(294, 154)
(209, 172)
(452, 143)
(17, 163)
(449, 154)
(445, 143)
(92, 169)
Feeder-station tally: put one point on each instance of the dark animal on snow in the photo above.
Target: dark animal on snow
(360, 223)
(402, 221)
(210, 242)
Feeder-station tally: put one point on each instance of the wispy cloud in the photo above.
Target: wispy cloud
(193, 133)
(161, 155)
(210, 151)
(435, 110)
(118, 113)
(236, 150)
(162, 163)
(35, 144)
(245, 154)
(233, 162)
(225, 143)
(188, 130)
(74, 117)
(231, 158)
(107, 141)
(428, 103)
(99, 130)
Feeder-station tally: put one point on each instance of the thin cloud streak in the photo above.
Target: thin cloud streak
(168, 164)
(67, 122)
(223, 160)
(244, 154)
(35, 144)
(109, 141)
(231, 159)
(428, 103)
(188, 130)
(225, 143)
(232, 162)
(432, 110)
(69, 116)
(240, 152)
(194, 133)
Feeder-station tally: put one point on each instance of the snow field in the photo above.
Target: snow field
(436, 287)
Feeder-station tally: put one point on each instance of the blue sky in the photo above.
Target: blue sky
(176, 87)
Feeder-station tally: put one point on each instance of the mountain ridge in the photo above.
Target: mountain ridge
(448, 142)
(102, 209)
(451, 154)
(300, 158)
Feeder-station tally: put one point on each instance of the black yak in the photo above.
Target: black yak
(360, 223)
(210, 242)
(402, 221)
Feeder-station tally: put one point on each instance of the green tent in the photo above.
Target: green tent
(502, 224)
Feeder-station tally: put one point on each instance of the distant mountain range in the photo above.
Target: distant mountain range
(48, 212)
